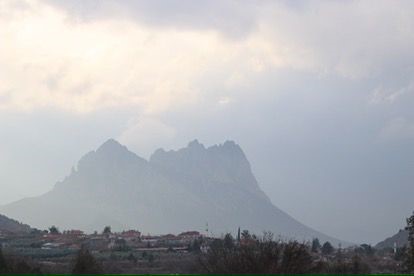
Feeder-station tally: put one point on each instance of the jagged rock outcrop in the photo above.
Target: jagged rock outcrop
(172, 192)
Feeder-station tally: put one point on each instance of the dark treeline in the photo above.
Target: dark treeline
(245, 253)
(250, 254)
(264, 255)
(17, 265)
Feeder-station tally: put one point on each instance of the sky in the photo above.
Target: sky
(319, 94)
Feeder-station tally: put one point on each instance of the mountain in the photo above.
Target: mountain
(172, 192)
(400, 239)
(12, 226)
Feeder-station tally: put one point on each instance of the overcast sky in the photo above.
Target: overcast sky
(319, 94)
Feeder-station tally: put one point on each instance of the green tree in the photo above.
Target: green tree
(327, 248)
(16, 265)
(228, 241)
(296, 259)
(3, 264)
(358, 266)
(245, 235)
(365, 249)
(54, 230)
(316, 245)
(410, 249)
(85, 263)
(107, 230)
(195, 246)
(401, 253)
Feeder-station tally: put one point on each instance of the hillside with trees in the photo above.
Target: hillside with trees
(12, 226)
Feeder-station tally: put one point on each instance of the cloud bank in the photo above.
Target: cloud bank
(318, 93)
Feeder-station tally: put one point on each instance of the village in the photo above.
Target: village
(128, 251)
(54, 252)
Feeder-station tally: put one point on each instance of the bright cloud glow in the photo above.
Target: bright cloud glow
(50, 59)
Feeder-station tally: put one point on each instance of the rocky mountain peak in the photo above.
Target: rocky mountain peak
(109, 154)
(175, 191)
(195, 144)
(112, 146)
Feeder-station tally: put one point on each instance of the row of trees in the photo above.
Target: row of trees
(325, 249)
(84, 263)
(268, 256)
(54, 230)
(16, 265)
(250, 254)
(246, 254)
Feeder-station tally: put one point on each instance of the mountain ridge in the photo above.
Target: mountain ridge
(173, 191)
(399, 239)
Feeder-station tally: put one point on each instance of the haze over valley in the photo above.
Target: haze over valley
(318, 94)
(193, 188)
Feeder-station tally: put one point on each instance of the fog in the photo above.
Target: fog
(318, 94)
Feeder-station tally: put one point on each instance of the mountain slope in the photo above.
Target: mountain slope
(174, 191)
(12, 226)
(400, 239)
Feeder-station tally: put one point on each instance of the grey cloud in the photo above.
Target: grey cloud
(313, 138)
(231, 17)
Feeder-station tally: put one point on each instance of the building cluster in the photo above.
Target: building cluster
(120, 241)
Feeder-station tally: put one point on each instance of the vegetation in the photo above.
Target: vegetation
(54, 230)
(16, 265)
(316, 246)
(107, 230)
(247, 253)
(254, 255)
(3, 264)
(327, 248)
(410, 249)
(85, 263)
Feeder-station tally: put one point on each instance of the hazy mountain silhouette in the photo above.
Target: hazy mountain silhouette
(12, 226)
(400, 239)
(172, 192)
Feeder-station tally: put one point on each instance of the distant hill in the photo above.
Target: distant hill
(12, 226)
(401, 239)
(173, 192)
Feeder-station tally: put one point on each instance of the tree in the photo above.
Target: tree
(85, 263)
(296, 259)
(3, 264)
(245, 235)
(132, 258)
(365, 249)
(359, 267)
(316, 245)
(263, 256)
(54, 230)
(410, 249)
(16, 265)
(228, 241)
(327, 248)
(121, 245)
(107, 230)
(195, 246)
